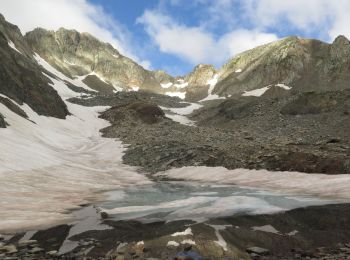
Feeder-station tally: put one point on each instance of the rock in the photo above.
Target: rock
(333, 141)
(25, 243)
(104, 215)
(187, 247)
(52, 253)
(36, 250)
(9, 249)
(257, 250)
(122, 248)
(2, 125)
(86, 243)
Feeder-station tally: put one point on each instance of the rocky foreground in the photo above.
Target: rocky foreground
(320, 232)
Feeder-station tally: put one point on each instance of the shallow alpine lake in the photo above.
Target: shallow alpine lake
(169, 201)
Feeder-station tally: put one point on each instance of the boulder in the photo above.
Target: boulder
(257, 250)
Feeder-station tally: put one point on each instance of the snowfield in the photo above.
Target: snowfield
(51, 165)
(260, 91)
(323, 185)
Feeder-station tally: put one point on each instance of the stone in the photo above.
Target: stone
(52, 253)
(122, 248)
(25, 243)
(257, 250)
(104, 215)
(9, 249)
(36, 250)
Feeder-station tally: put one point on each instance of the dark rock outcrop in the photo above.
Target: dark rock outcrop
(13, 107)
(21, 78)
(2, 121)
(145, 112)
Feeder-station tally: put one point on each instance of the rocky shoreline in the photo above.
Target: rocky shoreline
(318, 232)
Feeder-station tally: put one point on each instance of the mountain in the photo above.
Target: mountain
(80, 54)
(302, 64)
(21, 77)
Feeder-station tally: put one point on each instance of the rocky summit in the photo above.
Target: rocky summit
(101, 158)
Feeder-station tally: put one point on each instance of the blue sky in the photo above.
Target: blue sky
(175, 35)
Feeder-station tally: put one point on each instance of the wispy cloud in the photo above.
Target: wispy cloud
(195, 44)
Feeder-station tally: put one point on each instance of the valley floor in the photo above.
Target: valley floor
(65, 165)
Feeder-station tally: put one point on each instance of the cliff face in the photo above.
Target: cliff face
(78, 54)
(303, 64)
(21, 78)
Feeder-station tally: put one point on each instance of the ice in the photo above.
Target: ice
(221, 241)
(135, 88)
(87, 220)
(283, 86)
(267, 228)
(293, 233)
(180, 119)
(13, 46)
(187, 232)
(181, 95)
(260, 91)
(212, 83)
(224, 206)
(180, 114)
(166, 85)
(181, 85)
(173, 243)
(186, 110)
(256, 92)
(188, 241)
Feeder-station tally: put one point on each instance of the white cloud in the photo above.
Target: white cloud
(71, 14)
(327, 18)
(197, 45)
(241, 40)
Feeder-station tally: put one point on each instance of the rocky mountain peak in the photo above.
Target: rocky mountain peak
(79, 54)
(341, 40)
(340, 50)
(201, 74)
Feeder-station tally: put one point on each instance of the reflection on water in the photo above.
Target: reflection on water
(186, 200)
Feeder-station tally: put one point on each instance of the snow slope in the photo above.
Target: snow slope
(323, 185)
(51, 165)
(260, 91)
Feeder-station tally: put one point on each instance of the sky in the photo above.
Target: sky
(176, 35)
